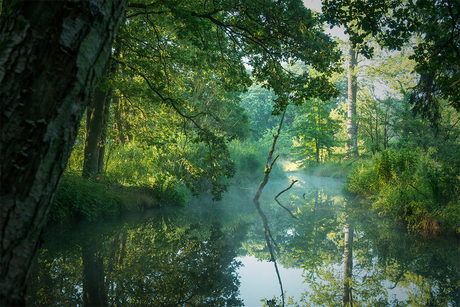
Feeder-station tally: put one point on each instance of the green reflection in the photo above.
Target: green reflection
(162, 261)
(352, 257)
(187, 257)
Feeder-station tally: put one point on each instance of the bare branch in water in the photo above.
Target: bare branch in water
(268, 236)
(276, 198)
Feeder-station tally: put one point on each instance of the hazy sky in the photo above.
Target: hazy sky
(316, 5)
(313, 4)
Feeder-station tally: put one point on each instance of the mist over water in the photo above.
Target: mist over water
(214, 254)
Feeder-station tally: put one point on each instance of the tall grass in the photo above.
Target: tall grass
(412, 185)
(136, 178)
(82, 198)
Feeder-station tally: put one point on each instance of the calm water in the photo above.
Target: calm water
(214, 254)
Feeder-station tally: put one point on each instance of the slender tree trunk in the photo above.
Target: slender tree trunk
(347, 267)
(104, 131)
(377, 129)
(317, 150)
(108, 100)
(352, 128)
(118, 126)
(94, 124)
(52, 55)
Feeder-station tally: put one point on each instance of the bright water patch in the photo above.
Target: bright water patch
(259, 281)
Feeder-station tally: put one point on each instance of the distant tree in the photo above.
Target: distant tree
(259, 102)
(314, 130)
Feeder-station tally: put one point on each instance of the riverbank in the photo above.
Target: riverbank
(102, 196)
(133, 183)
(421, 188)
(414, 186)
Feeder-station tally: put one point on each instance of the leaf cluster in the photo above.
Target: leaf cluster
(432, 26)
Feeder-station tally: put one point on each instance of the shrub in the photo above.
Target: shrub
(412, 185)
(82, 198)
(250, 159)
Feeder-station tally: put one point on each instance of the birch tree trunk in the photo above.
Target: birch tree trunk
(352, 128)
(51, 55)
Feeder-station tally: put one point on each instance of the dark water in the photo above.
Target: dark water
(214, 254)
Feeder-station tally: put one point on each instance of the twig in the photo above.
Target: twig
(276, 198)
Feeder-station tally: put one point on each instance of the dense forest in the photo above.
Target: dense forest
(124, 105)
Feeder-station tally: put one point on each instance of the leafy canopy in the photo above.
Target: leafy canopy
(191, 57)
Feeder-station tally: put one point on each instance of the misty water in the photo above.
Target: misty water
(214, 254)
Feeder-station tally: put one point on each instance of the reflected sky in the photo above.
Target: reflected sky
(259, 281)
(192, 255)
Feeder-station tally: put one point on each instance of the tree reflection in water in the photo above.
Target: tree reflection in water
(155, 263)
(188, 258)
(352, 257)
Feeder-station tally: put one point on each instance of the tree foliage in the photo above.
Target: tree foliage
(183, 69)
(433, 25)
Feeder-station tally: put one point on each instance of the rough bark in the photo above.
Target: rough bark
(51, 55)
(352, 128)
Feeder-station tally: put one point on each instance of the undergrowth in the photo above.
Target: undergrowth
(413, 185)
(250, 159)
(138, 177)
(331, 169)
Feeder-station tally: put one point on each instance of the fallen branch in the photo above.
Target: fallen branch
(268, 236)
(276, 198)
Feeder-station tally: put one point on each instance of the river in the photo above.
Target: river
(214, 254)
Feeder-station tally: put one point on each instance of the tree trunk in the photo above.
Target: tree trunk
(352, 128)
(117, 125)
(377, 129)
(104, 129)
(52, 55)
(108, 101)
(317, 150)
(94, 121)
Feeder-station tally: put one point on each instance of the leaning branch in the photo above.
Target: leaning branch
(276, 198)
(268, 236)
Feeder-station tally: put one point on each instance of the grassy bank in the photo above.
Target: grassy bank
(423, 188)
(138, 177)
(94, 198)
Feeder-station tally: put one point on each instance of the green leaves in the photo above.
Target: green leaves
(183, 69)
(431, 25)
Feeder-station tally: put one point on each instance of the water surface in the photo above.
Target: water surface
(214, 254)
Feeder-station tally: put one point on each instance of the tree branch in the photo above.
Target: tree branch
(268, 236)
(276, 198)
